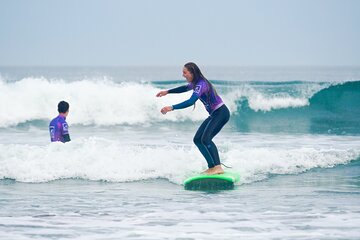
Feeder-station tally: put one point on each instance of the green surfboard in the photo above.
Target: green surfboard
(223, 181)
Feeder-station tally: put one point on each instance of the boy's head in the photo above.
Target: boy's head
(63, 107)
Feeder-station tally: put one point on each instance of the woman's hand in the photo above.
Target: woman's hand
(162, 93)
(166, 109)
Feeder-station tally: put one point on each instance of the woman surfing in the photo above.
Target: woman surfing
(218, 113)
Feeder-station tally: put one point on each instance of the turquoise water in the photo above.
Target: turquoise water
(293, 136)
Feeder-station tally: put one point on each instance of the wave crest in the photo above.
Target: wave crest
(255, 107)
(100, 159)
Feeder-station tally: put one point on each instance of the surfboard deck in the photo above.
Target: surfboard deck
(225, 181)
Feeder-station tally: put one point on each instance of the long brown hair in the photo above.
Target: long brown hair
(197, 76)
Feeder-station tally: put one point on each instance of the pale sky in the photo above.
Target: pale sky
(168, 32)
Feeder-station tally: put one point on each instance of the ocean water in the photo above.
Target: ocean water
(294, 137)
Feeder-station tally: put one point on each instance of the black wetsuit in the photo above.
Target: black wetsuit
(219, 116)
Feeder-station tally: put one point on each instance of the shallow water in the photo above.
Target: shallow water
(319, 204)
(293, 137)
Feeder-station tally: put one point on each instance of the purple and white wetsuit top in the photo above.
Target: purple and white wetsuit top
(202, 91)
(59, 130)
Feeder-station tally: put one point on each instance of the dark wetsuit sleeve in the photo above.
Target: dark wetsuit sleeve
(65, 132)
(194, 97)
(66, 138)
(180, 89)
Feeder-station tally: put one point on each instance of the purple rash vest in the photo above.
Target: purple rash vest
(210, 99)
(58, 128)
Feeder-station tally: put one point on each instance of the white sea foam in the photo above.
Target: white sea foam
(260, 100)
(256, 164)
(91, 102)
(101, 159)
(103, 102)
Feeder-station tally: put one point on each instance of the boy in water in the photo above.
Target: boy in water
(59, 131)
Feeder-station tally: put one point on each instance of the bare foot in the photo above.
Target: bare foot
(207, 171)
(215, 170)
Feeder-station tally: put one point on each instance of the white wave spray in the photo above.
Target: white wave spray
(103, 102)
(101, 159)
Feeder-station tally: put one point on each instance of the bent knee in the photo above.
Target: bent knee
(206, 140)
(197, 140)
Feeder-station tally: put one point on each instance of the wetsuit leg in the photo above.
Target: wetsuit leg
(207, 131)
(218, 119)
(201, 146)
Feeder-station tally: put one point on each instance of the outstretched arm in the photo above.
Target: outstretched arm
(180, 89)
(162, 93)
(182, 105)
(186, 103)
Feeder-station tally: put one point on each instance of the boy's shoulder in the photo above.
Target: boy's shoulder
(58, 119)
(53, 120)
